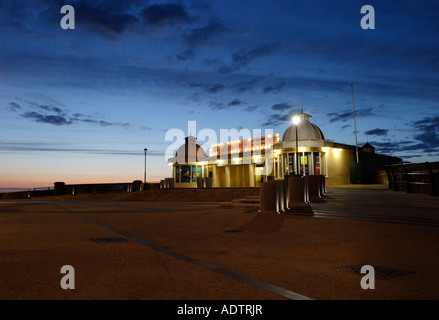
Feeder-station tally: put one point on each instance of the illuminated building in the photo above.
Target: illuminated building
(302, 151)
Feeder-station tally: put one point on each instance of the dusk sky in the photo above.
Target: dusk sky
(80, 105)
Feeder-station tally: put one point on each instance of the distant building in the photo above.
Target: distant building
(303, 150)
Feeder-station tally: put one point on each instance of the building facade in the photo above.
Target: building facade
(302, 151)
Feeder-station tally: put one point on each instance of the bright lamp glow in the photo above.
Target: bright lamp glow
(296, 120)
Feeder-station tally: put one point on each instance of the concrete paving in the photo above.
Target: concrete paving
(199, 251)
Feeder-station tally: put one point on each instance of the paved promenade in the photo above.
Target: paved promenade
(197, 250)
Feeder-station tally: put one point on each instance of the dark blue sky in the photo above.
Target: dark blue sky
(80, 105)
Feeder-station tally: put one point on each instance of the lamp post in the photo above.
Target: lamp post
(144, 175)
(355, 123)
(296, 121)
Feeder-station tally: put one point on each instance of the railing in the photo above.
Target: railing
(43, 188)
(61, 188)
(414, 177)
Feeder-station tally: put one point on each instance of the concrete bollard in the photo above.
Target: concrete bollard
(169, 182)
(137, 185)
(269, 202)
(314, 186)
(59, 188)
(305, 190)
(281, 195)
(297, 190)
(287, 195)
(209, 182)
(322, 184)
(200, 182)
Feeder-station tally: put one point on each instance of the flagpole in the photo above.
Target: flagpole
(355, 123)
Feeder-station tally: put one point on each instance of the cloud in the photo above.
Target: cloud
(212, 88)
(377, 132)
(56, 116)
(168, 13)
(399, 147)
(215, 88)
(201, 36)
(276, 88)
(243, 89)
(46, 114)
(280, 116)
(243, 57)
(106, 17)
(281, 106)
(222, 106)
(276, 119)
(217, 105)
(57, 110)
(235, 102)
(186, 55)
(425, 140)
(12, 106)
(212, 62)
(251, 108)
(348, 115)
(429, 132)
(245, 85)
(102, 123)
(50, 119)
(34, 146)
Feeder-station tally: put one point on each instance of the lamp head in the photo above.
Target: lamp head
(296, 120)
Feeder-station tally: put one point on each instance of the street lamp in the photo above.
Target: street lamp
(296, 121)
(144, 176)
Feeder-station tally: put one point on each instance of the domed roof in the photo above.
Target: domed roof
(190, 152)
(305, 130)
